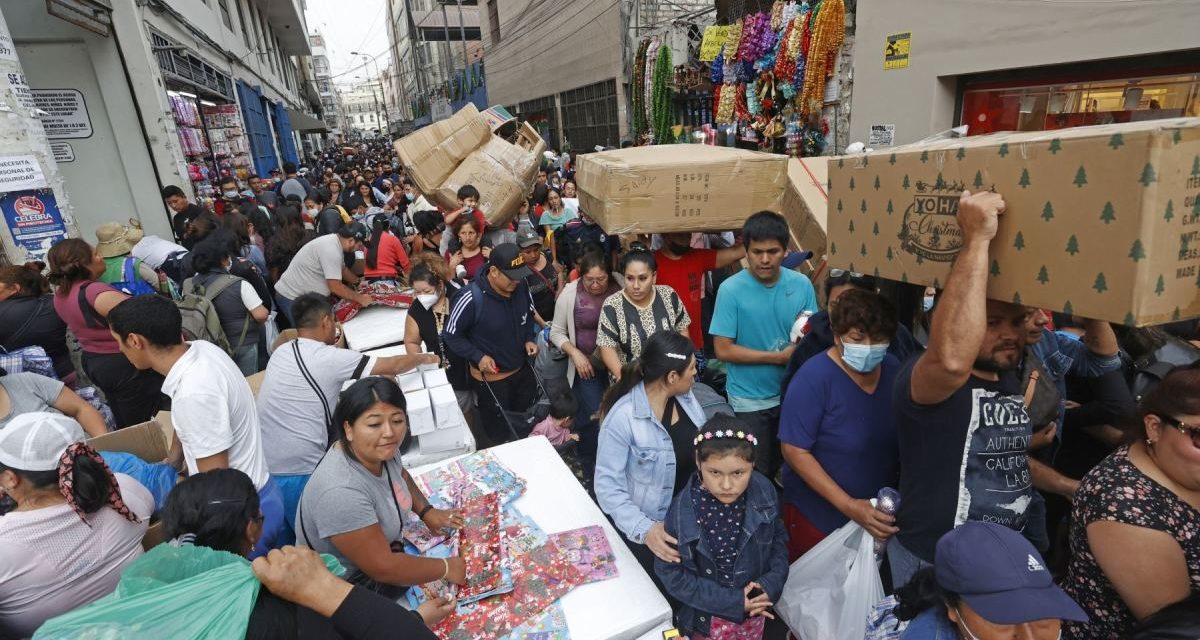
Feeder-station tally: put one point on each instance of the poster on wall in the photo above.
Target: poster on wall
(8, 51)
(20, 172)
(882, 135)
(34, 220)
(895, 54)
(66, 114)
(20, 89)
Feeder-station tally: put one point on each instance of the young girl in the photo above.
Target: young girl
(731, 540)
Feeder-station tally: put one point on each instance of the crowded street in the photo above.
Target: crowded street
(629, 320)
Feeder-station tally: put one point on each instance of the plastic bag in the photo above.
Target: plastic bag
(178, 592)
(158, 478)
(831, 589)
(271, 330)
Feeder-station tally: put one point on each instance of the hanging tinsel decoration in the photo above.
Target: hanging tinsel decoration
(740, 111)
(789, 12)
(785, 65)
(648, 85)
(718, 68)
(726, 101)
(638, 98)
(662, 109)
(753, 107)
(777, 16)
(716, 102)
(828, 32)
(732, 44)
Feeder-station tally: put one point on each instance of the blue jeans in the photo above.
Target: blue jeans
(246, 359)
(1036, 531)
(589, 393)
(291, 487)
(904, 563)
(284, 305)
(270, 502)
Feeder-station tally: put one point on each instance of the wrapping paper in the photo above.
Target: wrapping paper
(381, 292)
(589, 551)
(551, 626)
(480, 545)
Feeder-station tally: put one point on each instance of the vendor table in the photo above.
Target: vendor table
(628, 607)
(374, 327)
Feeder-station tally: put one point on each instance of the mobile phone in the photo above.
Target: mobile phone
(754, 593)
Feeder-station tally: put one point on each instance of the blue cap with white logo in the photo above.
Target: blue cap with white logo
(1000, 575)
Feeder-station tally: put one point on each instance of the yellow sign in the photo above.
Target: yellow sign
(895, 54)
(714, 38)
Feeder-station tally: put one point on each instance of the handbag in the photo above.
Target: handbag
(1042, 399)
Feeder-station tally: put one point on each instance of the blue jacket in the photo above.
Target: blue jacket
(635, 462)
(1063, 356)
(484, 323)
(763, 558)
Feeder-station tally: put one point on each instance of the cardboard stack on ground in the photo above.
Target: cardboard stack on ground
(463, 149)
(682, 187)
(1102, 222)
(805, 205)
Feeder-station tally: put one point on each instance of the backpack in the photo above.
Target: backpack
(200, 319)
(130, 283)
(1147, 372)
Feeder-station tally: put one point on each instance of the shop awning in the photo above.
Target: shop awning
(303, 122)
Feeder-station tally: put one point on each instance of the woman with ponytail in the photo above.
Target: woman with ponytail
(84, 303)
(644, 457)
(71, 527)
(27, 316)
(386, 259)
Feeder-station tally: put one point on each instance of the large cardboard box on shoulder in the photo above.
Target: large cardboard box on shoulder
(806, 207)
(1102, 222)
(679, 187)
(463, 149)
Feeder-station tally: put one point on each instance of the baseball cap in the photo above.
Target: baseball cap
(356, 230)
(1000, 575)
(35, 441)
(507, 258)
(527, 238)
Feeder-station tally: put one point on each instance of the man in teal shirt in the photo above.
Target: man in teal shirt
(751, 330)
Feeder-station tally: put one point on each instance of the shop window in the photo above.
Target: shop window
(590, 116)
(225, 17)
(493, 10)
(1045, 106)
(242, 22)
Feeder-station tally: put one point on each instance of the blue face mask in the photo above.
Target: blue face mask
(927, 303)
(410, 197)
(863, 358)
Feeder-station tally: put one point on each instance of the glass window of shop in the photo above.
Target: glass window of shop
(1033, 105)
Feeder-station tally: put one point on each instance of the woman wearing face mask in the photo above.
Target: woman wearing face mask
(987, 583)
(837, 428)
(1143, 497)
(426, 320)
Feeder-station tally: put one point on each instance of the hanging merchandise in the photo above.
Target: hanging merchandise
(726, 97)
(777, 16)
(662, 108)
(231, 148)
(639, 98)
(648, 85)
(753, 106)
(828, 30)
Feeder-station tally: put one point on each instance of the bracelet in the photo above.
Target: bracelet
(446, 571)
(427, 509)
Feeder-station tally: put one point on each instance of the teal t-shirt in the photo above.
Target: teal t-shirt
(759, 317)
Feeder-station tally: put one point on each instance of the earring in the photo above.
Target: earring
(1149, 442)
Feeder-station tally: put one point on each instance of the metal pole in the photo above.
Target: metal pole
(462, 35)
(449, 58)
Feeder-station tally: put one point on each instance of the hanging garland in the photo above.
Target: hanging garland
(777, 15)
(726, 99)
(718, 67)
(732, 44)
(648, 85)
(785, 63)
(753, 106)
(638, 98)
(828, 30)
(662, 108)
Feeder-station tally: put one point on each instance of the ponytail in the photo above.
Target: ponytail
(91, 483)
(663, 353)
(214, 508)
(631, 376)
(379, 226)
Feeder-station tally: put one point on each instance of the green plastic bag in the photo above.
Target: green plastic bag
(177, 592)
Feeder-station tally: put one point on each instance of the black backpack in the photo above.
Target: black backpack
(1146, 372)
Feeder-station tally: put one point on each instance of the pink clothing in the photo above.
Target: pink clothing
(721, 629)
(557, 435)
(52, 562)
(93, 336)
(390, 254)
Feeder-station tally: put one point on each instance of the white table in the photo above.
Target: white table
(374, 327)
(628, 607)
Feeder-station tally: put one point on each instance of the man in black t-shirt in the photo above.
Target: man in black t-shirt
(184, 212)
(963, 429)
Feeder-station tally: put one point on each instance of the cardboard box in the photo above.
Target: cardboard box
(1102, 222)
(463, 149)
(681, 187)
(806, 207)
(148, 441)
(443, 440)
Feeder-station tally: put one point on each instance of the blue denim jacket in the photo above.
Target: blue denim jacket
(930, 624)
(1062, 356)
(763, 558)
(635, 462)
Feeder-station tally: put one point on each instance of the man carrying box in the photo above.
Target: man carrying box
(212, 408)
(751, 329)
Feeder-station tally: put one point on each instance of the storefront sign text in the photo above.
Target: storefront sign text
(66, 114)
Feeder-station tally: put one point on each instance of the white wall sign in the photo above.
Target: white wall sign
(62, 152)
(66, 113)
(20, 89)
(18, 173)
(882, 135)
(8, 51)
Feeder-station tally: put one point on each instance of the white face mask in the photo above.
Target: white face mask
(313, 211)
(971, 634)
(427, 300)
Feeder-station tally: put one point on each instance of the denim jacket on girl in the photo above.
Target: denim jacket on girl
(762, 558)
(635, 462)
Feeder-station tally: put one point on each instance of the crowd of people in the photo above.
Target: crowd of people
(724, 414)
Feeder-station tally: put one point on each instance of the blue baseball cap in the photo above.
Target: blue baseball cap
(1000, 575)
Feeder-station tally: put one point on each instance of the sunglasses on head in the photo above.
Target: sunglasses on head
(853, 277)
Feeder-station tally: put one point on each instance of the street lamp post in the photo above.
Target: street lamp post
(383, 121)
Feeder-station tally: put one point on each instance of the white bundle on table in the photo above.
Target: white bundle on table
(445, 407)
(434, 378)
(420, 412)
(410, 381)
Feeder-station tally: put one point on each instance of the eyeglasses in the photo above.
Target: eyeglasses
(1191, 430)
(596, 281)
(854, 277)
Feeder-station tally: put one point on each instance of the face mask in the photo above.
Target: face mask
(313, 211)
(679, 249)
(863, 358)
(927, 303)
(410, 197)
(427, 300)
(971, 634)
(230, 194)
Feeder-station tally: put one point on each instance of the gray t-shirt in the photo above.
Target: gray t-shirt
(342, 496)
(291, 414)
(29, 392)
(314, 264)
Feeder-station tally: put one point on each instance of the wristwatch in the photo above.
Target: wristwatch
(427, 509)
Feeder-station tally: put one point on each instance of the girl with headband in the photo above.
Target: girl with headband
(732, 542)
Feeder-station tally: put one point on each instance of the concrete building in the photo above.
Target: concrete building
(994, 67)
(137, 94)
(430, 43)
(330, 105)
(362, 105)
(565, 66)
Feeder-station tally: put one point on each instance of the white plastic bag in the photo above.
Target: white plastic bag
(271, 330)
(830, 590)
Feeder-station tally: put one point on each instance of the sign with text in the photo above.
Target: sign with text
(20, 172)
(66, 114)
(895, 54)
(33, 217)
(63, 152)
(714, 38)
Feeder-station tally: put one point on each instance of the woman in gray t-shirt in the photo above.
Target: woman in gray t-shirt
(359, 498)
(29, 392)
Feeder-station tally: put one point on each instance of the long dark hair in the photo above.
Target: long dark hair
(360, 397)
(28, 277)
(215, 507)
(379, 226)
(923, 592)
(1177, 394)
(90, 485)
(70, 262)
(660, 356)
